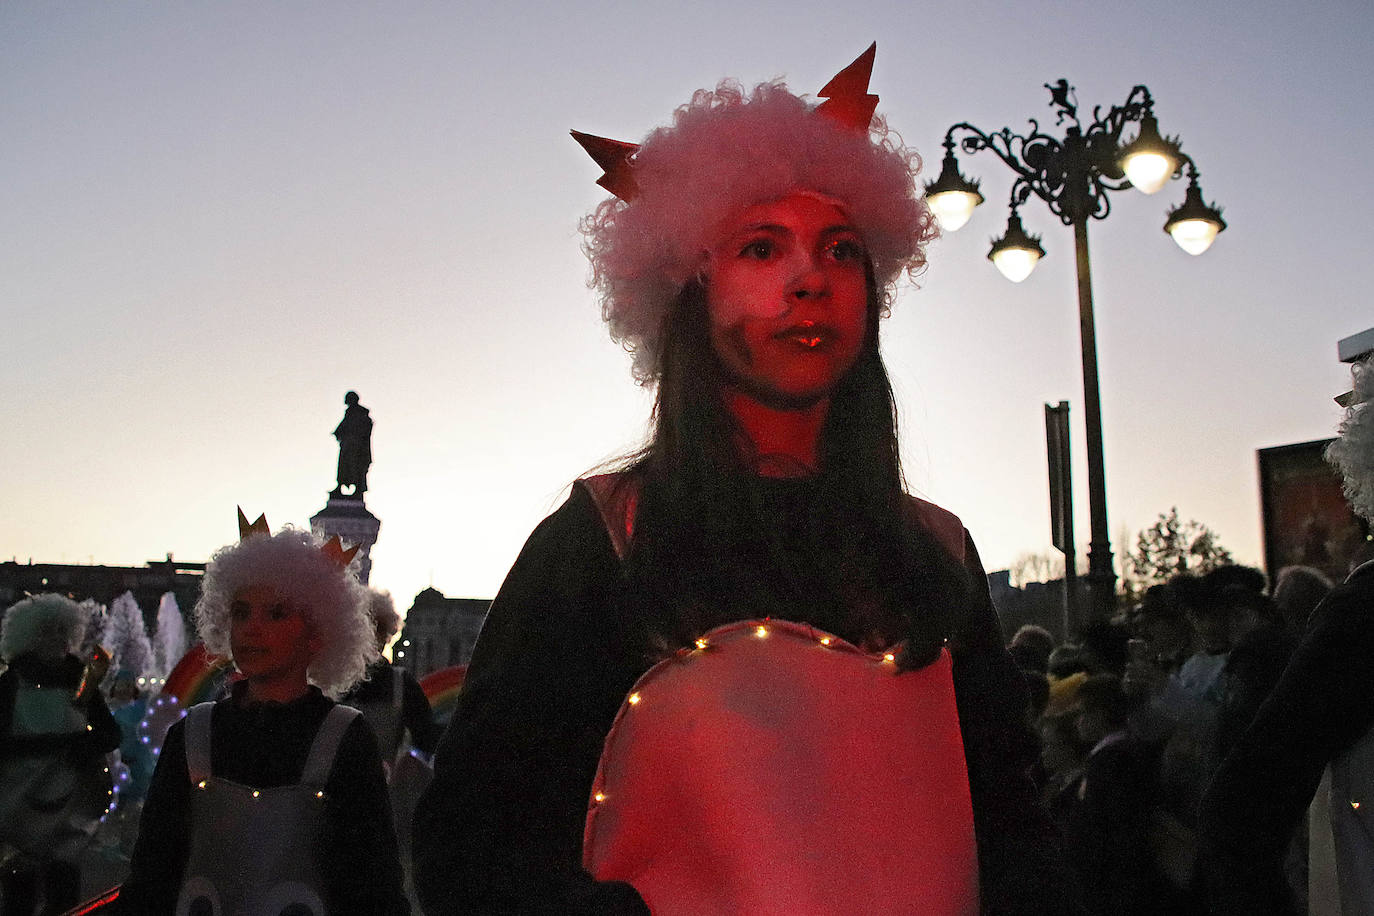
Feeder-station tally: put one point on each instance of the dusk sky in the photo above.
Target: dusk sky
(217, 218)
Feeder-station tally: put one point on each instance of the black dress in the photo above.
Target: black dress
(500, 829)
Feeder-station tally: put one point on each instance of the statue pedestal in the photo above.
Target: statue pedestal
(348, 518)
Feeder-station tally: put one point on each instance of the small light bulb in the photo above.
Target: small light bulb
(825, 640)
(701, 642)
(634, 699)
(1355, 805)
(256, 793)
(201, 784)
(761, 631)
(319, 794)
(599, 797)
(90, 728)
(889, 657)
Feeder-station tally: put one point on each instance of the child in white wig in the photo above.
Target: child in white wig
(396, 707)
(641, 724)
(55, 731)
(390, 698)
(1312, 741)
(273, 799)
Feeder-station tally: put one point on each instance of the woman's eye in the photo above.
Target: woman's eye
(278, 612)
(759, 250)
(846, 250)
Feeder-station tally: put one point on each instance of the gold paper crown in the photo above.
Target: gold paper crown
(332, 548)
(257, 527)
(847, 102)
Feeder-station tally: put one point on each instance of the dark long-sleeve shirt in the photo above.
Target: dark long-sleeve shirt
(416, 715)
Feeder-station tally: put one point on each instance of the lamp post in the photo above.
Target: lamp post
(1072, 176)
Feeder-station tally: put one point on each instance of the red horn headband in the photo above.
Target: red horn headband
(847, 102)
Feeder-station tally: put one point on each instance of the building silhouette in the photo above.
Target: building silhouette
(439, 632)
(103, 584)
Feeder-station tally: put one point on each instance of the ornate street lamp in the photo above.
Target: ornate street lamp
(1072, 176)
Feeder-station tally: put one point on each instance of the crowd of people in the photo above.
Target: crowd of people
(1136, 715)
(741, 670)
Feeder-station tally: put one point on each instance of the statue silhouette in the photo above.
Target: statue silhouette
(354, 433)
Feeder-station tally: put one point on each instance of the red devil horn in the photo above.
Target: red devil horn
(614, 158)
(847, 99)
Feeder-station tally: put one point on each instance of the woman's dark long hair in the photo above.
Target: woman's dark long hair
(709, 546)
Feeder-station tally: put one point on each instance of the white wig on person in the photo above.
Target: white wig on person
(1353, 452)
(292, 564)
(27, 621)
(383, 610)
(727, 150)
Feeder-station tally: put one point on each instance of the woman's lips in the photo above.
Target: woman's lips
(807, 334)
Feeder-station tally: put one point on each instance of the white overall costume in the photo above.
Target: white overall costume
(1341, 849)
(385, 718)
(253, 850)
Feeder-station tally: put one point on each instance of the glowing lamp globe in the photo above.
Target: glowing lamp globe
(1148, 171)
(1195, 224)
(1015, 254)
(952, 197)
(1194, 235)
(1149, 160)
(953, 208)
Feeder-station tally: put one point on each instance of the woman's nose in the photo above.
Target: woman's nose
(810, 281)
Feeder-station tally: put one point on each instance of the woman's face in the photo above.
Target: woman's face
(787, 295)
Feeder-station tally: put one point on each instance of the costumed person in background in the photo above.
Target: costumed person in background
(273, 800)
(1312, 740)
(55, 733)
(128, 705)
(792, 666)
(395, 705)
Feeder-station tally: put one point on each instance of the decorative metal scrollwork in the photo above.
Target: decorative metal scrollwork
(1071, 175)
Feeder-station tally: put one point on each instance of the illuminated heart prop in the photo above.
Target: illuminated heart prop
(778, 769)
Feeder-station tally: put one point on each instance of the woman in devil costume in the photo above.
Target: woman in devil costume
(744, 671)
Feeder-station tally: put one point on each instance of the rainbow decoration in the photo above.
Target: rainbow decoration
(198, 677)
(442, 689)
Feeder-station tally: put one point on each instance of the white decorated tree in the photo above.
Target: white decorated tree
(95, 628)
(126, 638)
(169, 645)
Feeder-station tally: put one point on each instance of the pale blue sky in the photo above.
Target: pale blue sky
(217, 218)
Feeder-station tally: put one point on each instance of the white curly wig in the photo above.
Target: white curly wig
(383, 610)
(727, 150)
(291, 563)
(1353, 452)
(26, 620)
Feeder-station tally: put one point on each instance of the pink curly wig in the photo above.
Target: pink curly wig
(727, 150)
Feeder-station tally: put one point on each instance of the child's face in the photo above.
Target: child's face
(272, 642)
